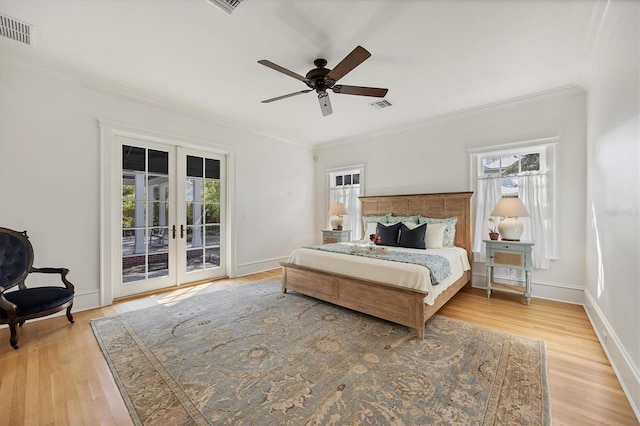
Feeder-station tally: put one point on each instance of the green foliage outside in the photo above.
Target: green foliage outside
(528, 162)
(210, 196)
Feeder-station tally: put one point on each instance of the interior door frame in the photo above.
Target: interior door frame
(110, 196)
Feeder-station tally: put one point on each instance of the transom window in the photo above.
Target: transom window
(510, 166)
(346, 180)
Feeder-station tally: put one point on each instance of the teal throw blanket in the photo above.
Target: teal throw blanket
(438, 265)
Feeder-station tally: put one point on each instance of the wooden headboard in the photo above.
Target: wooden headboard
(446, 204)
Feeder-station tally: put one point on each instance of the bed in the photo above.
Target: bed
(380, 297)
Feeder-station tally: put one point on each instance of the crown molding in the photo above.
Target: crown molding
(133, 95)
(568, 90)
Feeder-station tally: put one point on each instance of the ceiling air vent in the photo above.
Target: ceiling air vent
(380, 104)
(15, 30)
(226, 5)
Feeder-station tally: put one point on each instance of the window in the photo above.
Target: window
(509, 167)
(524, 170)
(345, 187)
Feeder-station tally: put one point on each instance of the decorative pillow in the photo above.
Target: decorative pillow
(435, 235)
(412, 238)
(366, 220)
(372, 227)
(388, 234)
(450, 230)
(396, 219)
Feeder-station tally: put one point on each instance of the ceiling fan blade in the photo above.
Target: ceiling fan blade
(276, 67)
(352, 60)
(286, 96)
(358, 90)
(325, 104)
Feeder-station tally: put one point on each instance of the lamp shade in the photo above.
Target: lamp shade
(337, 209)
(510, 207)
(510, 229)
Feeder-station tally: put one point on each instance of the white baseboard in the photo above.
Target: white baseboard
(628, 374)
(86, 301)
(260, 266)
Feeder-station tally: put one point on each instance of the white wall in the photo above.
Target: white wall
(612, 294)
(433, 157)
(50, 171)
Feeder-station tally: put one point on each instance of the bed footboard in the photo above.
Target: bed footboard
(395, 304)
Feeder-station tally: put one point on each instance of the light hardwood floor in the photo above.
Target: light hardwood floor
(59, 376)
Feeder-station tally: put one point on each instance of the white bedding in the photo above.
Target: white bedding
(393, 273)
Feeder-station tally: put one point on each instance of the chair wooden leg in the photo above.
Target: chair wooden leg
(69, 316)
(14, 336)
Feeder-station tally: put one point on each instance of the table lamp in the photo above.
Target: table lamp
(337, 210)
(510, 229)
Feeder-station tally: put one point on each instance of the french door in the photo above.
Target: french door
(172, 216)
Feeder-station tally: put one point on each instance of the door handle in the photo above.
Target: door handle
(181, 231)
(173, 232)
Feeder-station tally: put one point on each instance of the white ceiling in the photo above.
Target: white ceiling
(435, 57)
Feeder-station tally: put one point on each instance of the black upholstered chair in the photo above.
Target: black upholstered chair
(19, 303)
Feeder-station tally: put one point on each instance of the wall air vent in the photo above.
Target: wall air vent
(380, 104)
(15, 30)
(226, 5)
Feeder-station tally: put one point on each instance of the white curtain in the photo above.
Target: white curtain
(532, 190)
(489, 192)
(349, 197)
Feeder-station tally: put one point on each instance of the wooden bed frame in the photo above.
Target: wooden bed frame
(399, 305)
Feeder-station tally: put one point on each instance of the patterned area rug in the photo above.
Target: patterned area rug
(253, 355)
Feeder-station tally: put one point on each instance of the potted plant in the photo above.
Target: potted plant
(493, 233)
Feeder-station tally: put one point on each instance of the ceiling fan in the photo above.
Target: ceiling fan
(322, 79)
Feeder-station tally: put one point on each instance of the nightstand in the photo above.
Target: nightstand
(329, 236)
(510, 254)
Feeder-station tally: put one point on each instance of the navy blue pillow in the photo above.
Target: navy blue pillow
(413, 238)
(388, 234)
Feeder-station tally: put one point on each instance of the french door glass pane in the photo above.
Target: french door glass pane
(203, 213)
(133, 268)
(158, 265)
(194, 166)
(158, 162)
(212, 213)
(133, 158)
(212, 169)
(159, 213)
(194, 260)
(212, 257)
(158, 240)
(128, 238)
(145, 213)
(212, 235)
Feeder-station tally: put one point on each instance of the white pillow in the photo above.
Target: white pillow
(449, 231)
(435, 235)
(371, 228)
(412, 225)
(366, 220)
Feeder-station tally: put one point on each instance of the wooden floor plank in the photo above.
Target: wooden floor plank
(59, 376)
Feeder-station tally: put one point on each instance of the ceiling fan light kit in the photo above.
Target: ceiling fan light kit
(322, 79)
